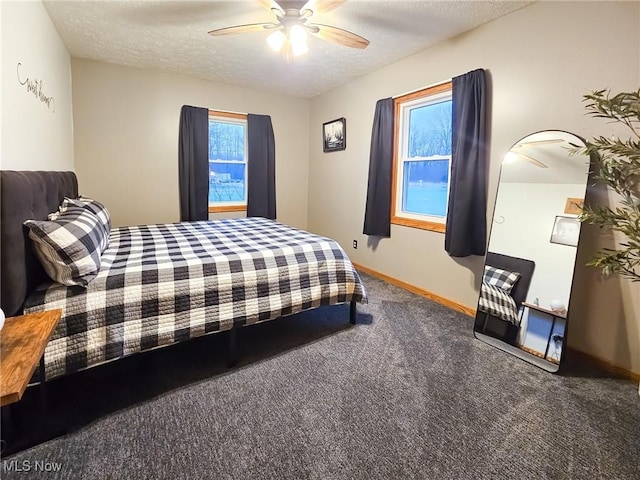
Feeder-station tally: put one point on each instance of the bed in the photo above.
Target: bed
(505, 286)
(162, 284)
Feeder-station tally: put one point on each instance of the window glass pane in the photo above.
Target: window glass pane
(226, 162)
(430, 130)
(424, 187)
(226, 182)
(226, 141)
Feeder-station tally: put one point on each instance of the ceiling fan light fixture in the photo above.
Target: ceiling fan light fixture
(291, 42)
(276, 40)
(298, 36)
(510, 157)
(287, 50)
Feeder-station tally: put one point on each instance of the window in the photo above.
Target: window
(227, 162)
(422, 158)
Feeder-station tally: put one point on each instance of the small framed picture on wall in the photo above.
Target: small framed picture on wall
(574, 206)
(334, 135)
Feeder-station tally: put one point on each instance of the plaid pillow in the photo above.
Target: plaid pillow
(98, 209)
(502, 279)
(69, 247)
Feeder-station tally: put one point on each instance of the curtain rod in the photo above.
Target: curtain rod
(422, 88)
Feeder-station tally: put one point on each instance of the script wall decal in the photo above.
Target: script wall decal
(35, 87)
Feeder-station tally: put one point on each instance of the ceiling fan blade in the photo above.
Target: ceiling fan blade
(271, 5)
(252, 27)
(530, 159)
(319, 7)
(338, 35)
(541, 142)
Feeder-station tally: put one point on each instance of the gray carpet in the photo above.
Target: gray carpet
(406, 393)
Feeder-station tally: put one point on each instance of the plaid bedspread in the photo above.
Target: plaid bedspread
(160, 284)
(497, 302)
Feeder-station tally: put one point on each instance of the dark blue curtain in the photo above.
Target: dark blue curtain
(193, 163)
(261, 165)
(377, 216)
(466, 232)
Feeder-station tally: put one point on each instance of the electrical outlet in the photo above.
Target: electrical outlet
(355, 244)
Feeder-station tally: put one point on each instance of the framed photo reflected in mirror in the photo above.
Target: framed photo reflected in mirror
(566, 231)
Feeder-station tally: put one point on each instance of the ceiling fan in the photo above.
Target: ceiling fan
(516, 150)
(534, 143)
(289, 30)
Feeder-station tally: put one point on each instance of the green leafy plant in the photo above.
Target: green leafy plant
(617, 163)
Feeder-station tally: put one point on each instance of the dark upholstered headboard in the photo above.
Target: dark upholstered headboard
(514, 264)
(23, 196)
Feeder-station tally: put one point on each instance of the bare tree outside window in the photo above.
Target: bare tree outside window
(227, 163)
(426, 170)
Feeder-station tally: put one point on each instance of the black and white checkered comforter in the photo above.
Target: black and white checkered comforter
(497, 302)
(160, 284)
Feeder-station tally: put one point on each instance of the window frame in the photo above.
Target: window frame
(402, 107)
(238, 119)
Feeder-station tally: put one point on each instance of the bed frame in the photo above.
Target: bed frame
(500, 328)
(23, 196)
(33, 195)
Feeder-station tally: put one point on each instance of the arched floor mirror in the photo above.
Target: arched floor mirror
(526, 289)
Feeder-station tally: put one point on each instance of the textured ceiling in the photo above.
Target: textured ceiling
(171, 36)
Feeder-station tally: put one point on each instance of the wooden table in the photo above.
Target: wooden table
(22, 343)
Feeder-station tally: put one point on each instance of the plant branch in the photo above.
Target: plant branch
(618, 163)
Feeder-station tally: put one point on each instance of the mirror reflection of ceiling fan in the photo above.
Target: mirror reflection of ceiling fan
(289, 30)
(516, 150)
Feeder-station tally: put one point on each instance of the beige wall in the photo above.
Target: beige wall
(126, 149)
(542, 59)
(35, 135)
